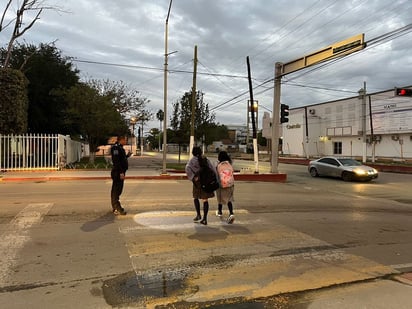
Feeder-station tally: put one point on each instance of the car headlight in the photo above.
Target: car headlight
(360, 172)
(374, 171)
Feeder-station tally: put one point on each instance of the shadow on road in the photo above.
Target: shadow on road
(97, 223)
(208, 234)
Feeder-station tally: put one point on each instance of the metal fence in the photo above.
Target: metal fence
(39, 152)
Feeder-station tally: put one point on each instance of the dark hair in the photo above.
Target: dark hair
(224, 156)
(196, 151)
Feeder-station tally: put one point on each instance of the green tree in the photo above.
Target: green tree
(13, 102)
(47, 71)
(215, 132)
(92, 116)
(153, 138)
(181, 119)
(262, 141)
(125, 99)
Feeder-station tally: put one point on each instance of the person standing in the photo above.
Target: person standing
(225, 193)
(118, 173)
(193, 171)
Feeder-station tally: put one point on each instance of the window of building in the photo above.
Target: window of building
(337, 148)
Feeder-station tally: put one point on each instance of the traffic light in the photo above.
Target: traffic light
(284, 113)
(405, 92)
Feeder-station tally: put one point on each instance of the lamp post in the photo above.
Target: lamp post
(133, 121)
(165, 95)
(141, 139)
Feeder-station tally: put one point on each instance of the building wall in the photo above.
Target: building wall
(319, 129)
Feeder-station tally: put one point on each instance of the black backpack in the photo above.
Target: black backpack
(208, 179)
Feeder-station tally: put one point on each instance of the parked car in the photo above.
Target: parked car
(346, 168)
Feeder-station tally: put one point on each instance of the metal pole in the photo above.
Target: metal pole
(275, 119)
(362, 94)
(192, 122)
(165, 95)
(371, 125)
(141, 141)
(252, 110)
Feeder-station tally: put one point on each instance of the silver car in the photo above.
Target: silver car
(347, 169)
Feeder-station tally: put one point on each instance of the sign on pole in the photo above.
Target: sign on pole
(339, 49)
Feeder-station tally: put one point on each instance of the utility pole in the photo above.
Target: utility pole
(255, 147)
(164, 172)
(371, 125)
(275, 119)
(192, 124)
(362, 96)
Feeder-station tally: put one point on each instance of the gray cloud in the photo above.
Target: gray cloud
(132, 33)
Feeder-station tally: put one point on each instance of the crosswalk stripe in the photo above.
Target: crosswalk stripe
(16, 235)
(178, 220)
(185, 226)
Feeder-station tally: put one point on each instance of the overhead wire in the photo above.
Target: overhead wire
(381, 39)
(375, 41)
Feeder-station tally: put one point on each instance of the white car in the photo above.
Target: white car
(347, 169)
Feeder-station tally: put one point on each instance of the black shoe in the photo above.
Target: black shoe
(197, 218)
(204, 222)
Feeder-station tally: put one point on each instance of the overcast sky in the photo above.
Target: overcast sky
(131, 33)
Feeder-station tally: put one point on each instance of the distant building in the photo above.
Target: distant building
(337, 128)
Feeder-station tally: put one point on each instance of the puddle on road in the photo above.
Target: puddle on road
(130, 288)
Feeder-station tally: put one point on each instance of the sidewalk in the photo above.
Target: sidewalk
(145, 168)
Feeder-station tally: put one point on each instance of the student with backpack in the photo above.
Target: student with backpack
(226, 189)
(202, 173)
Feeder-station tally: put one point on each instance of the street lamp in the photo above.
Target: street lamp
(133, 121)
(165, 94)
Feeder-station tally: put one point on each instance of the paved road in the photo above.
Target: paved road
(61, 248)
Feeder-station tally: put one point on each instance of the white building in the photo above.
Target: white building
(336, 128)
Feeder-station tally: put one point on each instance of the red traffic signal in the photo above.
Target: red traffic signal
(403, 92)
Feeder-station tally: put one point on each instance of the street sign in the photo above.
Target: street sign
(339, 49)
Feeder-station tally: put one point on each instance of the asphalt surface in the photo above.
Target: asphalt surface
(391, 289)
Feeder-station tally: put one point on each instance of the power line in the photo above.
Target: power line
(375, 41)
(139, 67)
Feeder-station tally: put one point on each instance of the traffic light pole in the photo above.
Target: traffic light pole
(333, 51)
(275, 119)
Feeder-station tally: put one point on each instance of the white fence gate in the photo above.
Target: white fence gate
(39, 152)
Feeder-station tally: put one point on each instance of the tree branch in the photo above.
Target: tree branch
(30, 25)
(4, 14)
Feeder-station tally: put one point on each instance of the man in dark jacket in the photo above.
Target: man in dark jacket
(118, 174)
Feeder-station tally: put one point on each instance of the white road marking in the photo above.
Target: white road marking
(146, 181)
(16, 235)
(181, 220)
(402, 266)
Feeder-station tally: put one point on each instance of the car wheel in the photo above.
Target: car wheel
(346, 176)
(314, 172)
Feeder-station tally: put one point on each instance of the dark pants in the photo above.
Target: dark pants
(117, 189)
